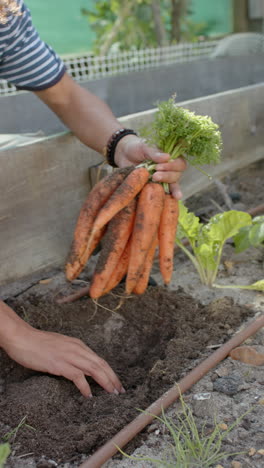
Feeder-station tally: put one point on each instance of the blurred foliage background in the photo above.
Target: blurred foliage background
(103, 26)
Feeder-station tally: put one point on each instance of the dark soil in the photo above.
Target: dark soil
(150, 342)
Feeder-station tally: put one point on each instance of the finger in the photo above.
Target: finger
(99, 375)
(103, 369)
(154, 154)
(94, 366)
(88, 354)
(178, 165)
(166, 176)
(112, 375)
(79, 380)
(176, 191)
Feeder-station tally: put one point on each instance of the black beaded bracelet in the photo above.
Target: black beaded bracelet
(109, 150)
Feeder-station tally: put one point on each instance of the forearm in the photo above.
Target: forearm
(10, 324)
(87, 116)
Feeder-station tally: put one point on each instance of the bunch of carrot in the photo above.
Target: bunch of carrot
(130, 216)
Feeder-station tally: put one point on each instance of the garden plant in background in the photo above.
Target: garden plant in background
(207, 241)
(139, 24)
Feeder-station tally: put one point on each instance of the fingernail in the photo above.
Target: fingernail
(116, 392)
(122, 390)
(90, 396)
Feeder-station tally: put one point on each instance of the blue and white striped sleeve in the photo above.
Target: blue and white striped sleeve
(26, 61)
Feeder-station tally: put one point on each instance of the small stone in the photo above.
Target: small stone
(152, 428)
(228, 385)
(203, 405)
(223, 426)
(222, 371)
(47, 464)
(235, 196)
(260, 451)
(251, 452)
(236, 464)
(219, 466)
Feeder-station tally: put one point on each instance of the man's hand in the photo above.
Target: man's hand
(55, 354)
(132, 150)
(93, 122)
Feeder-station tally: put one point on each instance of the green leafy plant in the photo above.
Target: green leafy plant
(138, 24)
(207, 240)
(4, 453)
(250, 236)
(190, 447)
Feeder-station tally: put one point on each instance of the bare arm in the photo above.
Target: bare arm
(89, 118)
(92, 121)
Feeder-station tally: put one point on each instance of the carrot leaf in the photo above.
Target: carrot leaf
(180, 132)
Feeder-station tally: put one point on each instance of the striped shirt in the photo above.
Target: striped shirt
(25, 60)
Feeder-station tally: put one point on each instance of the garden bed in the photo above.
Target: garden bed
(151, 342)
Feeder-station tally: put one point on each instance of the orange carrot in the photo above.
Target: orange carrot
(114, 242)
(148, 213)
(126, 192)
(142, 283)
(120, 270)
(97, 197)
(73, 271)
(167, 233)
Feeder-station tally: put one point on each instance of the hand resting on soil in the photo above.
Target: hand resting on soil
(54, 354)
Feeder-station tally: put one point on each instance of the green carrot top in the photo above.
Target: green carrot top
(180, 132)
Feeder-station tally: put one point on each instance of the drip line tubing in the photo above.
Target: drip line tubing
(126, 434)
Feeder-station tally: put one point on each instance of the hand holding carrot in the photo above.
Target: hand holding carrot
(133, 150)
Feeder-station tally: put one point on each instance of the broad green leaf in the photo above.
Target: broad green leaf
(256, 234)
(226, 225)
(4, 453)
(250, 235)
(189, 224)
(207, 240)
(206, 255)
(241, 240)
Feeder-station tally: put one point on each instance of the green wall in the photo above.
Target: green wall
(61, 24)
(216, 13)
